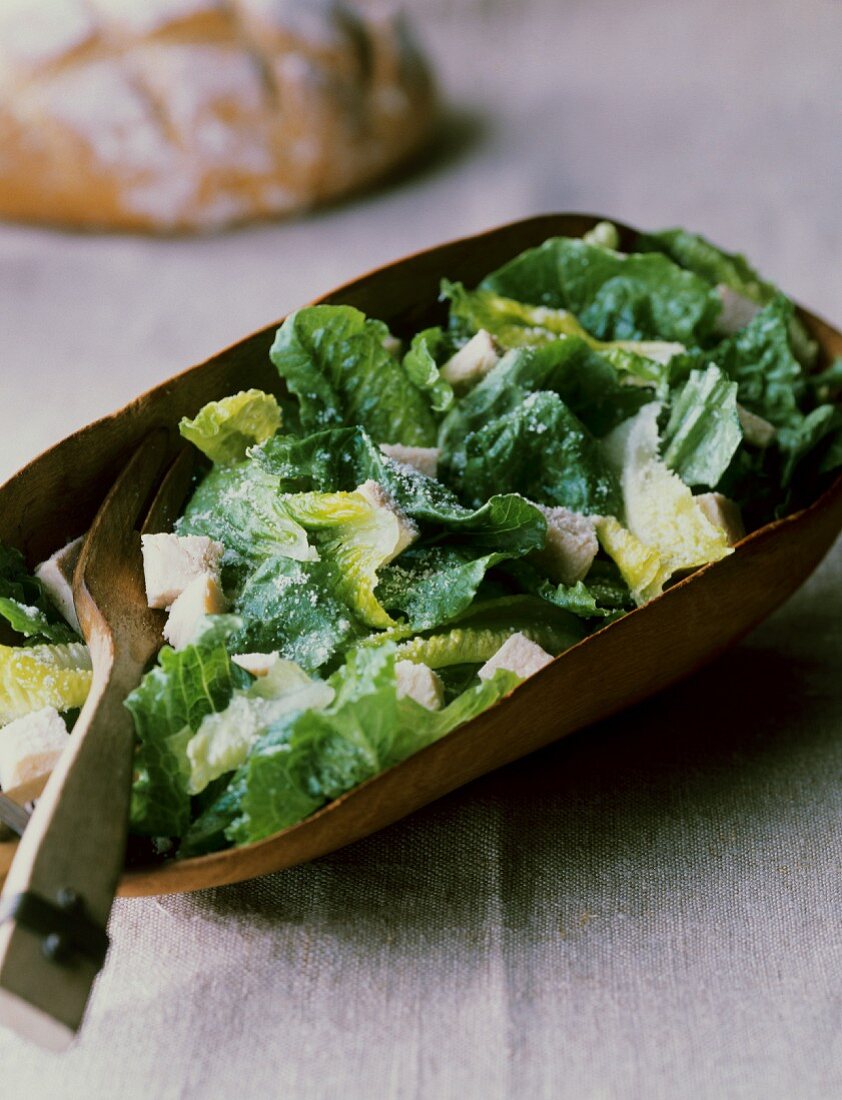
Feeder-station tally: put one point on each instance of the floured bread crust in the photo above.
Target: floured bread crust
(187, 115)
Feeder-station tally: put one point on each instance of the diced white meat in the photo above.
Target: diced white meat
(757, 431)
(392, 344)
(737, 310)
(420, 683)
(201, 597)
(519, 655)
(30, 747)
(258, 664)
(570, 548)
(56, 575)
(722, 513)
(423, 459)
(172, 562)
(377, 497)
(472, 362)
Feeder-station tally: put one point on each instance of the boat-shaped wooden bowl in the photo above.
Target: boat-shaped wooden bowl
(54, 498)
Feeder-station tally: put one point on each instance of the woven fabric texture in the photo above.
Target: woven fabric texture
(650, 909)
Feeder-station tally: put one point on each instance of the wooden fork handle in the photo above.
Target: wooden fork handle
(69, 861)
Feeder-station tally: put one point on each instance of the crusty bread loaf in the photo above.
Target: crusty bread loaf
(185, 115)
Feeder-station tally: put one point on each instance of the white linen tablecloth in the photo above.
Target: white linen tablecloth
(650, 909)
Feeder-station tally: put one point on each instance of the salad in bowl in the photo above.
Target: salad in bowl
(414, 523)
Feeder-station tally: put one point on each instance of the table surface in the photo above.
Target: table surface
(648, 909)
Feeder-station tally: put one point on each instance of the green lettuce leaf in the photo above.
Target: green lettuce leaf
(428, 350)
(38, 676)
(695, 253)
(515, 324)
(760, 359)
(832, 457)
(242, 507)
(314, 757)
(168, 707)
(818, 434)
(703, 431)
(828, 381)
(355, 537)
(615, 296)
(580, 599)
(308, 758)
(223, 740)
(660, 511)
(25, 604)
(294, 607)
(431, 585)
(588, 385)
(341, 459)
(224, 430)
(333, 359)
(486, 625)
(541, 450)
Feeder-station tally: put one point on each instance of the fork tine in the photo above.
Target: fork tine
(121, 510)
(166, 507)
(118, 607)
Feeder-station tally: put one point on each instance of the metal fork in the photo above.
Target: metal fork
(58, 895)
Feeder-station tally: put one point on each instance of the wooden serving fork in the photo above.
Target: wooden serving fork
(61, 885)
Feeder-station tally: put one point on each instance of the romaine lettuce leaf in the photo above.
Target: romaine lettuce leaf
(515, 324)
(615, 296)
(541, 450)
(585, 381)
(759, 358)
(355, 538)
(313, 757)
(428, 350)
(817, 434)
(512, 323)
(224, 430)
(482, 629)
(168, 706)
(640, 565)
(25, 604)
(832, 456)
(827, 381)
(697, 254)
(431, 585)
(659, 509)
(579, 599)
(703, 431)
(333, 359)
(308, 758)
(294, 607)
(242, 507)
(224, 738)
(341, 459)
(37, 676)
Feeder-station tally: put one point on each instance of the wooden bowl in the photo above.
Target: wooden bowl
(54, 498)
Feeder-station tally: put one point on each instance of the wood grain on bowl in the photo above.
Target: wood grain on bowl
(55, 497)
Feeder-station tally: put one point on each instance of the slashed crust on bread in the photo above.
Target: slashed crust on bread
(186, 115)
